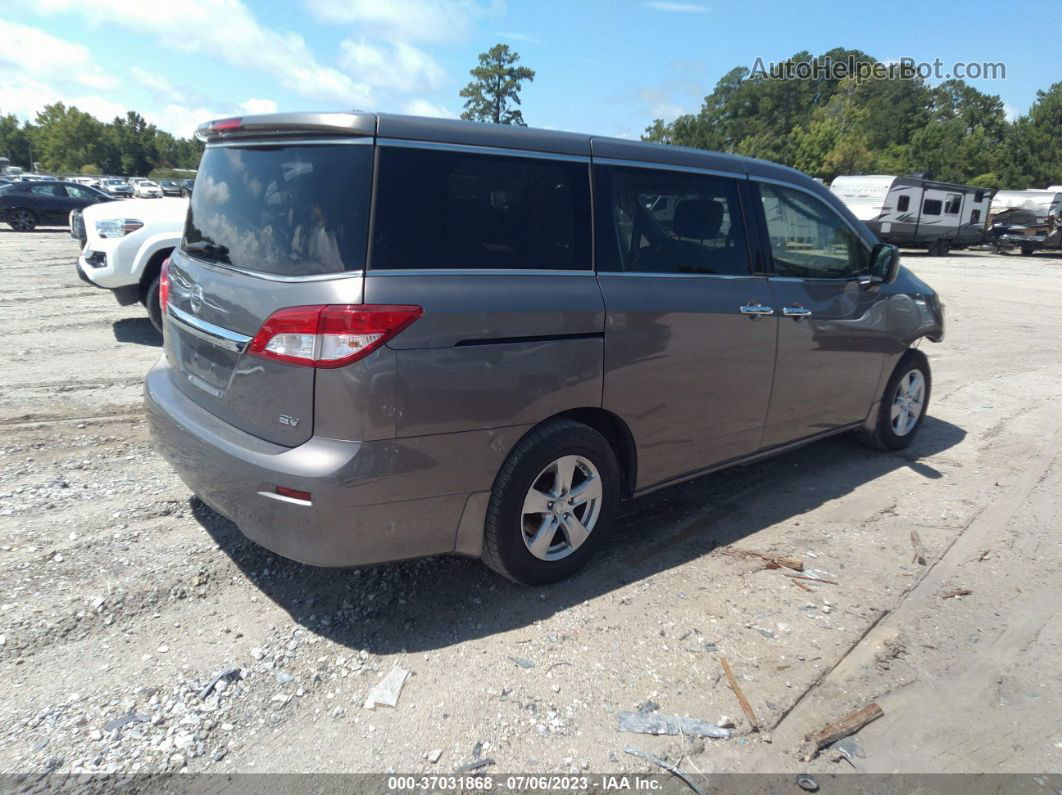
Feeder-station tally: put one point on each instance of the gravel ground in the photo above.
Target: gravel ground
(140, 632)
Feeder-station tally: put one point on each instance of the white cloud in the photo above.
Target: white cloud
(181, 120)
(422, 107)
(676, 8)
(1011, 111)
(157, 84)
(407, 20)
(32, 51)
(395, 65)
(253, 106)
(228, 30)
(524, 37)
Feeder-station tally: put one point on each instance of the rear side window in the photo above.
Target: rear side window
(287, 210)
(448, 209)
(675, 222)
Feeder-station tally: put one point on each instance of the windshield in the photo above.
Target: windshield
(290, 210)
(115, 182)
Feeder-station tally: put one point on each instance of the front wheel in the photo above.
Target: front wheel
(903, 404)
(551, 504)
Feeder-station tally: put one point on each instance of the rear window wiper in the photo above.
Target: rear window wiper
(211, 250)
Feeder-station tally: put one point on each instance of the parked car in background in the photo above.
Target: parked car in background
(116, 187)
(497, 359)
(146, 189)
(27, 205)
(124, 245)
(170, 187)
(186, 186)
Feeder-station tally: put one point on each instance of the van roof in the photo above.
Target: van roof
(472, 133)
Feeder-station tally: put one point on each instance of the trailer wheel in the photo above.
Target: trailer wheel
(934, 248)
(1026, 251)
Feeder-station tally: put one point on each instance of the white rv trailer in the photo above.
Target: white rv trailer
(1027, 219)
(915, 212)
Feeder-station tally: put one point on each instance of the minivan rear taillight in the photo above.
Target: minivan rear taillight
(329, 336)
(164, 285)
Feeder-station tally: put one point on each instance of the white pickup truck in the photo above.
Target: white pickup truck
(123, 245)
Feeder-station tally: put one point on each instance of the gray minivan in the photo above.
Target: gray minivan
(389, 337)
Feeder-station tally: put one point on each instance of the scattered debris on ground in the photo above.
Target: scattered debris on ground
(746, 707)
(832, 732)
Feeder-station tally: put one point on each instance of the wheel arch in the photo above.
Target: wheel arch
(619, 436)
(153, 268)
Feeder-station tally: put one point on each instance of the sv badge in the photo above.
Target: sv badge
(284, 419)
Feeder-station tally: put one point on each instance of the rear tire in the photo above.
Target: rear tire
(22, 220)
(903, 404)
(552, 503)
(151, 304)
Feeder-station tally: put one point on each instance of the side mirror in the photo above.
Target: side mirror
(884, 263)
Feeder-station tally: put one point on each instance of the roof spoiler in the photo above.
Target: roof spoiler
(325, 123)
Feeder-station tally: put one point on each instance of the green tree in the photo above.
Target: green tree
(494, 90)
(66, 137)
(15, 143)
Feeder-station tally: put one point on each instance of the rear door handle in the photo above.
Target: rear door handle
(756, 309)
(795, 311)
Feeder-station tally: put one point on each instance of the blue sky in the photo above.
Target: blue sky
(604, 66)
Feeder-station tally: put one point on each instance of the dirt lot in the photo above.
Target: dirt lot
(121, 596)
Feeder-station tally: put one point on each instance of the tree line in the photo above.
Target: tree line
(830, 125)
(66, 140)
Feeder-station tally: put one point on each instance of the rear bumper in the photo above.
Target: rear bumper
(371, 502)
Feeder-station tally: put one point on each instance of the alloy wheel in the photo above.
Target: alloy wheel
(908, 402)
(561, 508)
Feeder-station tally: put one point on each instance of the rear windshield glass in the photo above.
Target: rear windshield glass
(288, 210)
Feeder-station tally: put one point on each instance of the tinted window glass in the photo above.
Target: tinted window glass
(47, 189)
(808, 239)
(80, 192)
(288, 210)
(674, 222)
(437, 209)
(975, 216)
(952, 206)
(931, 207)
(903, 203)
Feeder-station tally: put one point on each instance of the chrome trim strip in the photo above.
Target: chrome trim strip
(611, 161)
(475, 272)
(273, 277)
(222, 337)
(280, 141)
(482, 150)
(646, 275)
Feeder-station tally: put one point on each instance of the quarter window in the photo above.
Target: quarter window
(674, 222)
(931, 207)
(442, 209)
(808, 239)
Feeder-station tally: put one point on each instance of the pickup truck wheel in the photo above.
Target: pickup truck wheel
(903, 404)
(151, 304)
(22, 220)
(552, 503)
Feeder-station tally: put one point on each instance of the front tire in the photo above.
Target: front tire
(903, 404)
(552, 503)
(22, 220)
